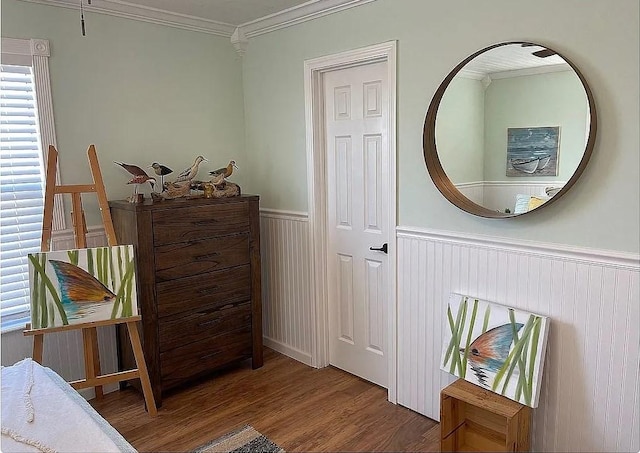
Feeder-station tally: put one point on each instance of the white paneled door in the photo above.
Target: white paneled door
(356, 125)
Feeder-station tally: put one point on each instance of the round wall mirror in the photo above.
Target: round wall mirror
(509, 130)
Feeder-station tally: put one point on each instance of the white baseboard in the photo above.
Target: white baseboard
(287, 350)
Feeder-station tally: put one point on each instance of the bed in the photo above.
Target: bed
(43, 413)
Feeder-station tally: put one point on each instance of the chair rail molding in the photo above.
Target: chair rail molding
(626, 260)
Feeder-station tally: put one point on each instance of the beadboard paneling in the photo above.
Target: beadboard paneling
(590, 389)
(287, 320)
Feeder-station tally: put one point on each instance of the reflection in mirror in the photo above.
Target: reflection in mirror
(511, 129)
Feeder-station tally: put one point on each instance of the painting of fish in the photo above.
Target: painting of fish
(80, 291)
(81, 286)
(499, 348)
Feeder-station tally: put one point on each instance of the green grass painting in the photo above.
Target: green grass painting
(499, 348)
(81, 286)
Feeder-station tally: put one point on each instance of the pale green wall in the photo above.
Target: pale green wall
(123, 87)
(553, 99)
(460, 130)
(600, 37)
(140, 92)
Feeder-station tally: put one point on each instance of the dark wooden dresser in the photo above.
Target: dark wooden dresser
(198, 283)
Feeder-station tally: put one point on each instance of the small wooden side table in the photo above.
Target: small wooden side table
(475, 419)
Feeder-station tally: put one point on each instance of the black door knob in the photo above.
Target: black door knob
(384, 248)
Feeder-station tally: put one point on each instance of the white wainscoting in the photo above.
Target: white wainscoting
(590, 391)
(63, 350)
(287, 316)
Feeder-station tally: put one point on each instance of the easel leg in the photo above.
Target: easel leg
(92, 357)
(38, 347)
(142, 367)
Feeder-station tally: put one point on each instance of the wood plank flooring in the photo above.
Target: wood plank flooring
(298, 407)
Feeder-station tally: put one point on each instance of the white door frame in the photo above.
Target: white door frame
(314, 71)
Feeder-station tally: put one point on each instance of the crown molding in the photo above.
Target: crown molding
(311, 10)
(118, 8)
(239, 41)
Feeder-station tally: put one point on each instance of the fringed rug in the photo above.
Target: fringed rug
(246, 439)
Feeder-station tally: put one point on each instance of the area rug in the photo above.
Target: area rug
(245, 439)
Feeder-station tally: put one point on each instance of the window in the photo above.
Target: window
(21, 186)
(26, 121)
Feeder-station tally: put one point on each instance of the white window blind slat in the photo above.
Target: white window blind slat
(21, 190)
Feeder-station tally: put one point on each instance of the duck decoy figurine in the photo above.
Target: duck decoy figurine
(173, 190)
(191, 172)
(139, 176)
(225, 171)
(161, 170)
(218, 179)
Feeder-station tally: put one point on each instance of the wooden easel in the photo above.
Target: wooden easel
(89, 332)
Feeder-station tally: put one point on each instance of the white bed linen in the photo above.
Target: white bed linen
(42, 412)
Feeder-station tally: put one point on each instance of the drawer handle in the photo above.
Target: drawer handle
(208, 323)
(207, 291)
(204, 357)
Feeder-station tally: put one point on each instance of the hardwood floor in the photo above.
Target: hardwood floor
(298, 407)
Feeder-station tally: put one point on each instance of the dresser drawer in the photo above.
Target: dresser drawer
(195, 358)
(199, 257)
(187, 223)
(203, 324)
(212, 290)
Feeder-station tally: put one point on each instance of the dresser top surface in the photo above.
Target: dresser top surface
(190, 202)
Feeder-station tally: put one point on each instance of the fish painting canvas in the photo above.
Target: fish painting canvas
(496, 347)
(82, 286)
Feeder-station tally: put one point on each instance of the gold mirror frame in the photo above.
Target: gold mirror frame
(440, 178)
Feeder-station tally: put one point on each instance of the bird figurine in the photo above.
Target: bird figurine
(173, 190)
(225, 171)
(139, 177)
(490, 350)
(217, 180)
(191, 172)
(81, 293)
(132, 169)
(161, 170)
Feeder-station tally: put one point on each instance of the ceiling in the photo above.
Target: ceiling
(510, 61)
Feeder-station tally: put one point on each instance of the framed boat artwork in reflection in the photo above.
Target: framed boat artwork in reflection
(532, 151)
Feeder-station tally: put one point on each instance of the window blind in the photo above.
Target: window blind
(21, 191)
